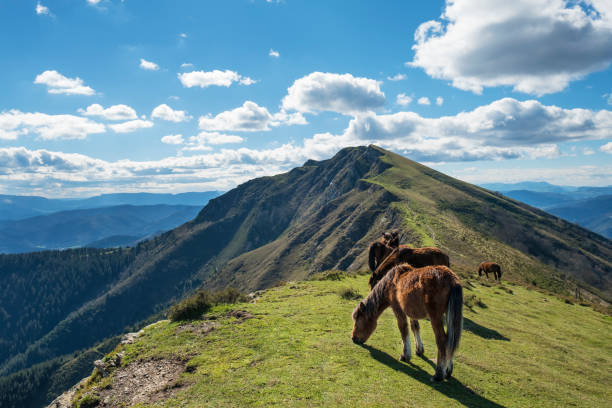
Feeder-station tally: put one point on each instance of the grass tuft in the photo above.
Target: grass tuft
(333, 275)
(349, 294)
(196, 305)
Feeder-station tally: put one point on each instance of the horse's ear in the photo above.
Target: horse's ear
(361, 307)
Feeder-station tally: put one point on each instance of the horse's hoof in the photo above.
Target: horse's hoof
(437, 378)
(420, 352)
(404, 358)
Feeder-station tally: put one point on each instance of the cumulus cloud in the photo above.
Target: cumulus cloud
(58, 84)
(42, 10)
(165, 112)
(173, 139)
(131, 126)
(93, 2)
(148, 65)
(504, 129)
(607, 148)
(115, 112)
(346, 94)
(214, 138)
(423, 101)
(535, 46)
(249, 117)
(57, 173)
(273, 53)
(15, 123)
(204, 79)
(397, 77)
(403, 99)
(439, 101)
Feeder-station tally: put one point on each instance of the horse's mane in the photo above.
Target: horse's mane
(377, 295)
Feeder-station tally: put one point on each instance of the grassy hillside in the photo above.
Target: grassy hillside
(292, 347)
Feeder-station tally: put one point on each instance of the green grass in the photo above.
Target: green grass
(524, 349)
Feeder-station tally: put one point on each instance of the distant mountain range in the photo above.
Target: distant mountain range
(19, 207)
(590, 207)
(30, 223)
(96, 227)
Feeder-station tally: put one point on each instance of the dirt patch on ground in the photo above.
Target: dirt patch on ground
(201, 328)
(143, 382)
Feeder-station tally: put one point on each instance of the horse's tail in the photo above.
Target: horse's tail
(372, 256)
(454, 319)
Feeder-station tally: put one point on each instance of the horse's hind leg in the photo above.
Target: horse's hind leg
(402, 324)
(416, 332)
(441, 366)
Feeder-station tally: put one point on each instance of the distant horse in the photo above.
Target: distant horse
(379, 250)
(416, 293)
(417, 257)
(491, 267)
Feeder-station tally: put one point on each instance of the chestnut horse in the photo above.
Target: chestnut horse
(417, 293)
(417, 257)
(486, 267)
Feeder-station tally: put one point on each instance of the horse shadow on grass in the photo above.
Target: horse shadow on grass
(452, 388)
(484, 332)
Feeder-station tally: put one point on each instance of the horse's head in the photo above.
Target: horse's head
(364, 324)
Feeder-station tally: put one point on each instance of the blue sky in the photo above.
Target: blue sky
(106, 95)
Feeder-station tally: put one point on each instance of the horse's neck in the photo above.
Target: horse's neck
(378, 299)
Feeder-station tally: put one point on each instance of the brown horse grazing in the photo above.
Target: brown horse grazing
(486, 267)
(417, 257)
(416, 293)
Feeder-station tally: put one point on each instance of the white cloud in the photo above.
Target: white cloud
(131, 126)
(504, 129)
(58, 84)
(165, 112)
(607, 148)
(93, 2)
(115, 112)
(587, 151)
(183, 35)
(173, 139)
(535, 46)
(186, 65)
(216, 77)
(249, 117)
(273, 53)
(423, 101)
(439, 101)
(204, 140)
(42, 10)
(397, 77)
(148, 65)
(15, 123)
(403, 99)
(344, 94)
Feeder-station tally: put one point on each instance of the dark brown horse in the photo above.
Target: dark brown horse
(379, 250)
(417, 293)
(490, 267)
(417, 257)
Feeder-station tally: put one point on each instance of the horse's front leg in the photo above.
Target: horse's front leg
(416, 332)
(402, 324)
